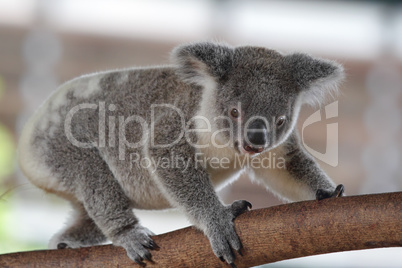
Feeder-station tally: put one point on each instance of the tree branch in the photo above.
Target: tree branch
(268, 235)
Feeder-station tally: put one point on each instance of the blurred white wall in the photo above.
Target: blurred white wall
(349, 29)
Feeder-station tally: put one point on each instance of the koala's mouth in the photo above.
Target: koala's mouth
(245, 148)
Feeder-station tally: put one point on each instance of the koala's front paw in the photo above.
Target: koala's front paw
(222, 235)
(223, 239)
(136, 241)
(323, 194)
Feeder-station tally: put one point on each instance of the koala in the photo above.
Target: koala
(171, 136)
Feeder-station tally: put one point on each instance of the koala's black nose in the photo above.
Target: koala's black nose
(257, 134)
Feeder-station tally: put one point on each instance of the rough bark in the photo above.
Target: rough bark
(268, 235)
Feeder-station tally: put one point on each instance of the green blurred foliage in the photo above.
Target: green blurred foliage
(7, 153)
(8, 243)
(7, 146)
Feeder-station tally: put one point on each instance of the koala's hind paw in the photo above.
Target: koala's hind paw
(69, 244)
(240, 206)
(62, 245)
(323, 194)
(136, 241)
(74, 239)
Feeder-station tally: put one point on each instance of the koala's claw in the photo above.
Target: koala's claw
(140, 262)
(148, 256)
(152, 245)
(340, 189)
(323, 194)
(240, 251)
(240, 206)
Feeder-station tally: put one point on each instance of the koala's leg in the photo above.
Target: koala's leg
(81, 231)
(111, 210)
(295, 175)
(189, 188)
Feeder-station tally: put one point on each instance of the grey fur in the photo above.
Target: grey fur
(206, 79)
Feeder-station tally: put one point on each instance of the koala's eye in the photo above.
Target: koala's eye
(235, 113)
(280, 121)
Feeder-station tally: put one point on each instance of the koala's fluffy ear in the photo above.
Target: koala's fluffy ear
(201, 63)
(316, 78)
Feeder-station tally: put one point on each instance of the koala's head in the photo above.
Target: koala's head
(254, 92)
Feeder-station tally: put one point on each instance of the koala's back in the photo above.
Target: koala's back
(51, 161)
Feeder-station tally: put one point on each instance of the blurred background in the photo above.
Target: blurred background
(44, 43)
